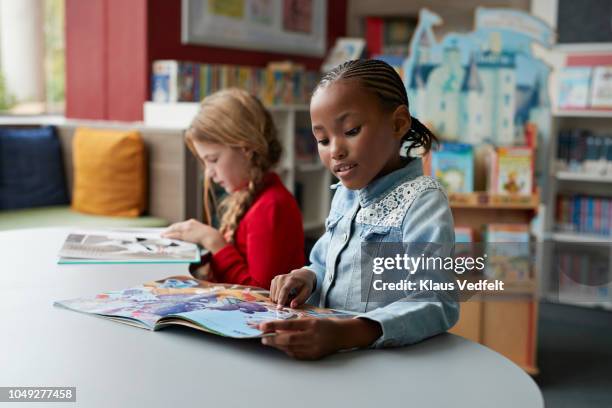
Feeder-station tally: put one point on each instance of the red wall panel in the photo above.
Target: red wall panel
(127, 61)
(86, 85)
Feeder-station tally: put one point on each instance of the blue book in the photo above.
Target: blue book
(453, 165)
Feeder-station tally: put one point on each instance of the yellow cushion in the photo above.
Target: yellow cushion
(109, 172)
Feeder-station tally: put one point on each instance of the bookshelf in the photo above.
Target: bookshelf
(506, 323)
(308, 180)
(565, 252)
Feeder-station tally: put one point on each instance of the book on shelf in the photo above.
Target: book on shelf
(582, 274)
(511, 171)
(279, 83)
(222, 309)
(601, 88)
(583, 151)
(127, 245)
(508, 250)
(574, 87)
(453, 165)
(584, 214)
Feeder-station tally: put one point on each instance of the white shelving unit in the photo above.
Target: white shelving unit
(309, 182)
(600, 122)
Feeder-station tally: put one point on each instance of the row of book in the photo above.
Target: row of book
(585, 87)
(583, 276)
(584, 214)
(507, 249)
(277, 84)
(582, 151)
(510, 169)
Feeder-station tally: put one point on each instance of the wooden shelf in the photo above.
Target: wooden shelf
(484, 200)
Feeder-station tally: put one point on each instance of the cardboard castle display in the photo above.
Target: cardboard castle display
(482, 86)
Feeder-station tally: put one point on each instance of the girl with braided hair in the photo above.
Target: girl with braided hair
(368, 139)
(260, 234)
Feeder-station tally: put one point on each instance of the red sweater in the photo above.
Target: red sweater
(269, 240)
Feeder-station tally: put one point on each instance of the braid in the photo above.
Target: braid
(234, 206)
(383, 80)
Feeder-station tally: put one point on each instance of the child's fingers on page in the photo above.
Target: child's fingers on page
(301, 297)
(285, 290)
(274, 288)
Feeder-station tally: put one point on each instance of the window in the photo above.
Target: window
(32, 58)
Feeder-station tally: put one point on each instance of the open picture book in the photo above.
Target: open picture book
(226, 310)
(128, 245)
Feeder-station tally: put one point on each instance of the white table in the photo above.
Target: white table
(116, 365)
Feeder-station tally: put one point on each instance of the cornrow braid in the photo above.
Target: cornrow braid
(383, 80)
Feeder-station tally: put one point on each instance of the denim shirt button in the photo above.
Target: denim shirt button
(345, 237)
(330, 277)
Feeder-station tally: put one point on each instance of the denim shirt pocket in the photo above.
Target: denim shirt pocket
(331, 221)
(376, 233)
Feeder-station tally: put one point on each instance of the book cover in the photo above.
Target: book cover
(601, 88)
(125, 246)
(574, 87)
(508, 252)
(226, 310)
(453, 165)
(512, 171)
(164, 82)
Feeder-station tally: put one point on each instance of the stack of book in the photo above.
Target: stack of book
(582, 151)
(584, 214)
(277, 84)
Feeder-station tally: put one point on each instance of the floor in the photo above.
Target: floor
(575, 356)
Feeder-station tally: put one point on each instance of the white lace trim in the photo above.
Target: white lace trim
(390, 211)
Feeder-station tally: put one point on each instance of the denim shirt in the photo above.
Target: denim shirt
(402, 206)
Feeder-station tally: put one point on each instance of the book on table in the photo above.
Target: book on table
(223, 309)
(128, 245)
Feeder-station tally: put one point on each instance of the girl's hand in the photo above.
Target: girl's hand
(298, 284)
(311, 338)
(198, 233)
